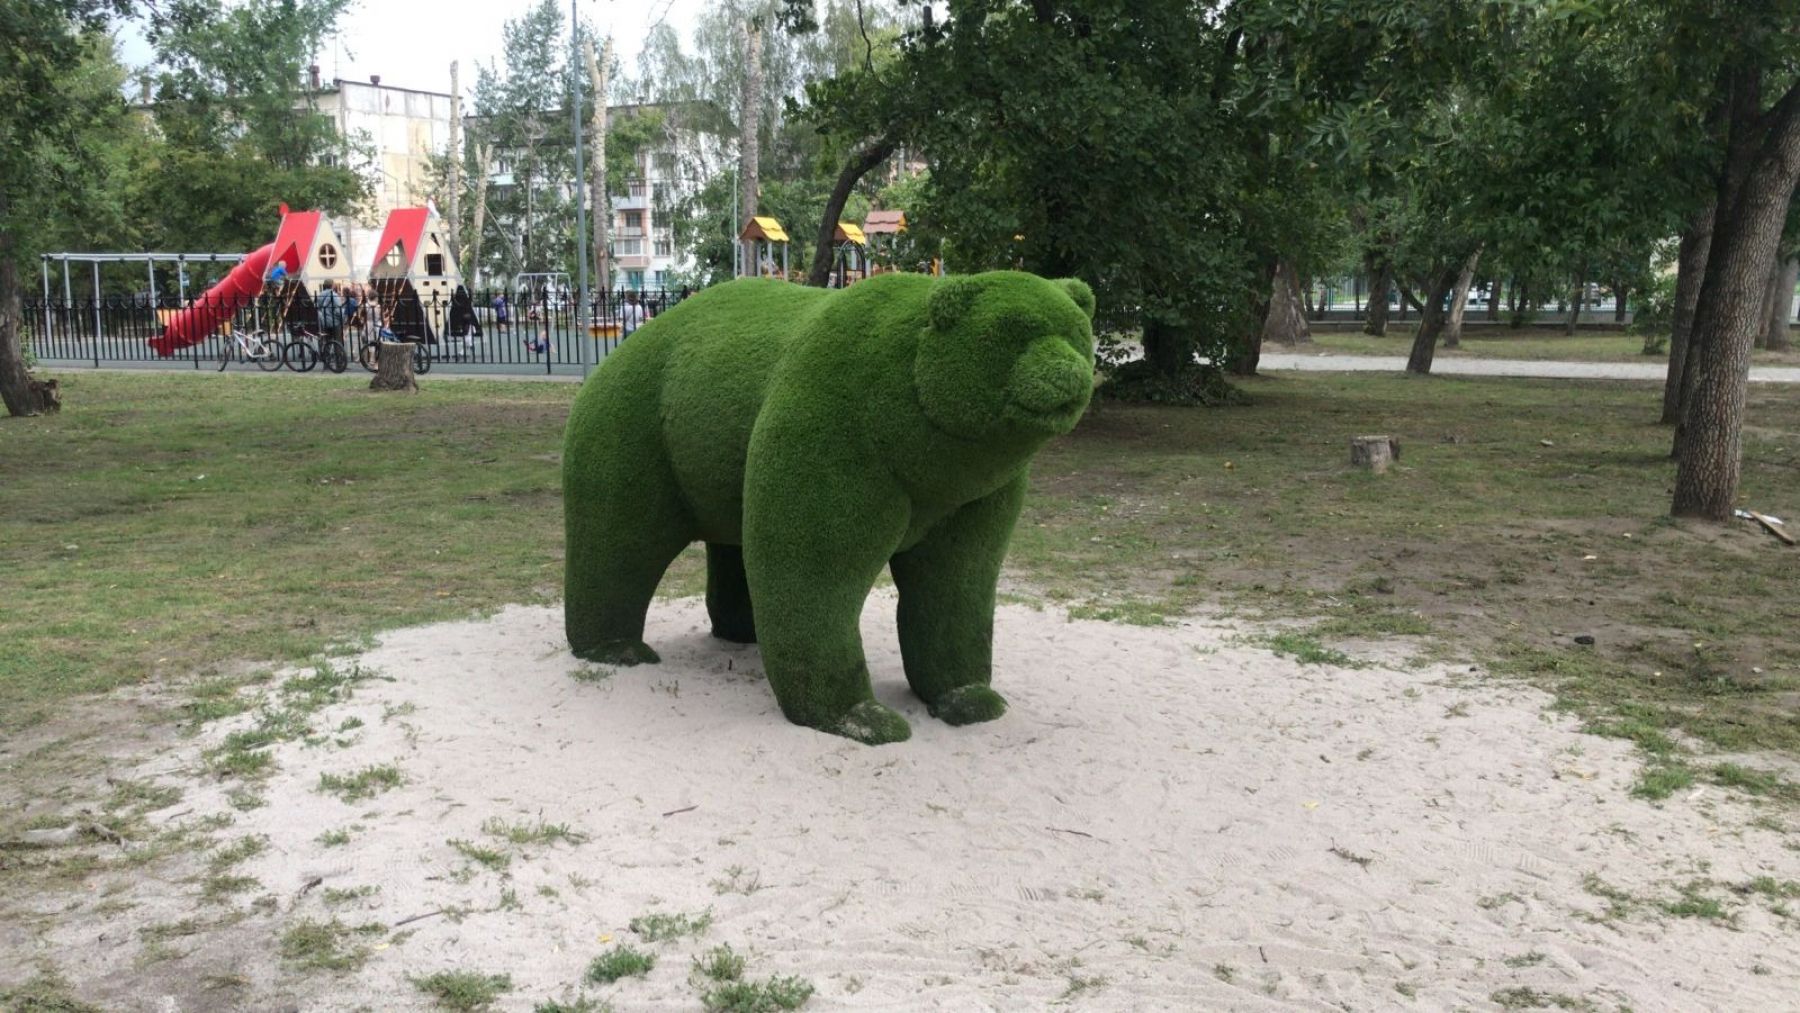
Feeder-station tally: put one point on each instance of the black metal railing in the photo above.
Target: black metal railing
(505, 331)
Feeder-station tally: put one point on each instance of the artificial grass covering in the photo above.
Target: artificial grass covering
(811, 437)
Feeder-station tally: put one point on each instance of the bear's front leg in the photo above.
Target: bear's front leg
(946, 585)
(815, 539)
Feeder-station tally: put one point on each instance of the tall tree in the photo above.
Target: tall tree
(58, 103)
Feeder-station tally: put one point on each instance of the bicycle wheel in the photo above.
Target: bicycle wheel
(299, 356)
(225, 347)
(367, 355)
(421, 360)
(333, 357)
(267, 352)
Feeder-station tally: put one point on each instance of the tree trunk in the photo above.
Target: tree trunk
(1244, 359)
(1459, 300)
(859, 165)
(1285, 321)
(453, 199)
(1619, 289)
(1168, 348)
(483, 169)
(600, 199)
(1577, 299)
(1493, 304)
(1781, 306)
(1690, 270)
(749, 123)
(22, 394)
(1431, 318)
(1765, 148)
(1381, 279)
(394, 367)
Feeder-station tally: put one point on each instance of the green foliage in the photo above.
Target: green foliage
(620, 962)
(721, 963)
(767, 996)
(658, 927)
(811, 438)
(464, 990)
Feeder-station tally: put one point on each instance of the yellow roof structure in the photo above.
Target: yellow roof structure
(764, 228)
(849, 233)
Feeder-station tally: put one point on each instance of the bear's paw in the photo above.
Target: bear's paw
(967, 705)
(619, 652)
(871, 724)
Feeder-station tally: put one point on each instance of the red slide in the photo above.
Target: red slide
(191, 326)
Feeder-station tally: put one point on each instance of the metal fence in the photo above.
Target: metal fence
(498, 331)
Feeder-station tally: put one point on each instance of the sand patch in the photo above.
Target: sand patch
(1167, 818)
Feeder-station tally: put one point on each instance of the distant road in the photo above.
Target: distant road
(1502, 367)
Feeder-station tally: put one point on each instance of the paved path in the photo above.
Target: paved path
(1503, 367)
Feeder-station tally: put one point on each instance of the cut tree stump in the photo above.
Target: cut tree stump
(394, 367)
(1375, 453)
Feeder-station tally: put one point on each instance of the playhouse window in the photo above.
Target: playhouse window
(393, 257)
(434, 263)
(328, 256)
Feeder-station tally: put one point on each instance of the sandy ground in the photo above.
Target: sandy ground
(1167, 819)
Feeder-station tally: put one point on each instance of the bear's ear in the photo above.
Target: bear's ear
(950, 301)
(1079, 291)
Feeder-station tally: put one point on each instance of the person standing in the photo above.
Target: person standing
(631, 315)
(330, 312)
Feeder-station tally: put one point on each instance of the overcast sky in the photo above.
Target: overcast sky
(410, 43)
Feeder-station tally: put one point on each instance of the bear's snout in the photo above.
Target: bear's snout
(1052, 379)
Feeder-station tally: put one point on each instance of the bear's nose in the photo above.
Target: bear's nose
(1051, 377)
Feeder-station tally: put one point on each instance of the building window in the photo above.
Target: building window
(634, 280)
(665, 245)
(434, 263)
(634, 220)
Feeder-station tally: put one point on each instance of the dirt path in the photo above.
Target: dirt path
(1168, 818)
(1332, 363)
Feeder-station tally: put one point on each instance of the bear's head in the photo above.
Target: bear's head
(1006, 352)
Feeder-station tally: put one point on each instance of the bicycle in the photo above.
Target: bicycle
(330, 354)
(254, 346)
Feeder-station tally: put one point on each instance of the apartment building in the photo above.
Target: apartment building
(391, 135)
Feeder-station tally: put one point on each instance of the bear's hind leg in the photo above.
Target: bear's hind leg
(621, 537)
(728, 594)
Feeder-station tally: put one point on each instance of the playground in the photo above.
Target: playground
(241, 559)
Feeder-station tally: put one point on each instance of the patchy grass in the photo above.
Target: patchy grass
(620, 962)
(721, 963)
(363, 784)
(1307, 650)
(658, 927)
(532, 833)
(46, 993)
(329, 946)
(769, 995)
(739, 880)
(492, 859)
(464, 990)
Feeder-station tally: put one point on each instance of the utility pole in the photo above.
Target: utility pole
(455, 174)
(582, 337)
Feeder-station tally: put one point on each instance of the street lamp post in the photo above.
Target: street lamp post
(583, 337)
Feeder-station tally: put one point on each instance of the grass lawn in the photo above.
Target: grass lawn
(171, 525)
(1502, 342)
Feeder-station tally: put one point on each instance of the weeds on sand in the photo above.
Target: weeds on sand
(767, 996)
(329, 946)
(658, 927)
(620, 962)
(464, 990)
(362, 784)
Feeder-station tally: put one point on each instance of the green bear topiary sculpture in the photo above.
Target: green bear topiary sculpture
(811, 437)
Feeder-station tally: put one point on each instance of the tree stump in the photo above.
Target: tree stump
(1375, 453)
(394, 367)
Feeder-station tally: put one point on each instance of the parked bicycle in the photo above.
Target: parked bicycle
(252, 346)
